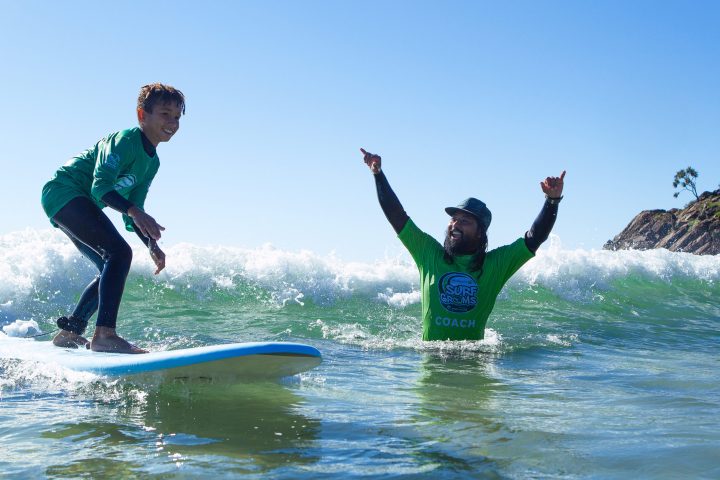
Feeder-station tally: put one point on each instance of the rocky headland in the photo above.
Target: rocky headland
(693, 229)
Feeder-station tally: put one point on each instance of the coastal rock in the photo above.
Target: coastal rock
(693, 229)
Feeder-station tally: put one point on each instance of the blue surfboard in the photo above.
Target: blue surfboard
(227, 362)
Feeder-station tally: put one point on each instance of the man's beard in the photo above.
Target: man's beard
(460, 247)
(454, 248)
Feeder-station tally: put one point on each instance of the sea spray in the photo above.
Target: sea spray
(209, 293)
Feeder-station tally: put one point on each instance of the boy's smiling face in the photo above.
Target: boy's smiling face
(160, 124)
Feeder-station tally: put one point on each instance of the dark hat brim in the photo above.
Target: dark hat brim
(485, 222)
(453, 210)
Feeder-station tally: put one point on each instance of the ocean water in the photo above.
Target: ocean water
(595, 364)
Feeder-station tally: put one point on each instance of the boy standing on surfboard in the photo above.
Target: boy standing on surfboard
(460, 280)
(115, 172)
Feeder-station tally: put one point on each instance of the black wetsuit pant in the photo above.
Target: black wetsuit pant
(92, 232)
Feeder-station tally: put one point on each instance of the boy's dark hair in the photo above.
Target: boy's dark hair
(154, 93)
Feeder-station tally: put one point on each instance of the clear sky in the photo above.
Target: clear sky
(461, 99)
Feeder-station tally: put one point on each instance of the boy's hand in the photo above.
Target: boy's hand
(373, 161)
(157, 255)
(147, 224)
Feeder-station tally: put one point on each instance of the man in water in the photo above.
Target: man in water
(115, 172)
(460, 280)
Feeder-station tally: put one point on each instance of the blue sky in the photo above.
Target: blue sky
(461, 99)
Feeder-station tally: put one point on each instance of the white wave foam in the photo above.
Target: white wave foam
(43, 267)
(401, 299)
(35, 263)
(21, 328)
(289, 276)
(580, 275)
(22, 365)
(554, 262)
(360, 335)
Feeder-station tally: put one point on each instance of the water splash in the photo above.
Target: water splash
(208, 294)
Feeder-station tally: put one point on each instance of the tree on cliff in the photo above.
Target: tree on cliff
(686, 179)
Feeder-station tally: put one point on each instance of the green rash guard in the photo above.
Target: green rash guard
(117, 162)
(456, 303)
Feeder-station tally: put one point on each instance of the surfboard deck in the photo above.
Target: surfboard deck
(215, 362)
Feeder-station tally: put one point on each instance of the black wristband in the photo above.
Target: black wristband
(553, 201)
(117, 202)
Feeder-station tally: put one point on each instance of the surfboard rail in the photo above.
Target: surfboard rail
(226, 361)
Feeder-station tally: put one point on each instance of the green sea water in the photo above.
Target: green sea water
(595, 365)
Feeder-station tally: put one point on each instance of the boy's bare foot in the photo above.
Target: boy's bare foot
(106, 340)
(67, 339)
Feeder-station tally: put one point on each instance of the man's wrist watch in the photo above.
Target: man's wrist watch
(553, 201)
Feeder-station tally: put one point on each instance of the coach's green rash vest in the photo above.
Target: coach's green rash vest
(117, 162)
(456, 302)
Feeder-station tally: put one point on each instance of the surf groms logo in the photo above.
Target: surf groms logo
(458, 292)
(112, 161)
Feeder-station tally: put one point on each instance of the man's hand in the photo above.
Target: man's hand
(373, 161)
(147, 224)
(157, 255)
(553, 186)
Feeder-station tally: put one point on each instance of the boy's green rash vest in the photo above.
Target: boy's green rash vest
(117, 162)
(456, 302)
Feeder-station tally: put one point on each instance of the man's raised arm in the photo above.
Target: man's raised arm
(543, 224)
(391, 206)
